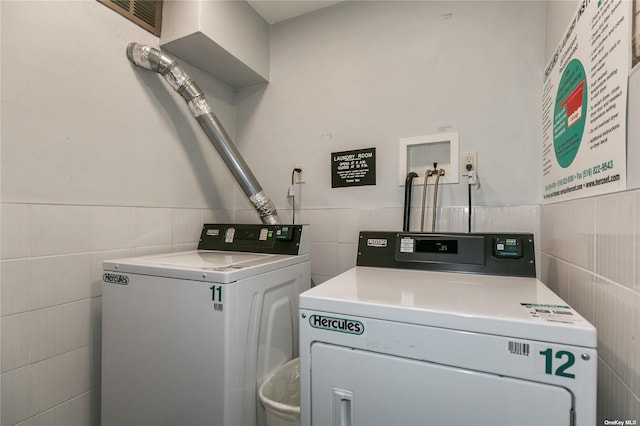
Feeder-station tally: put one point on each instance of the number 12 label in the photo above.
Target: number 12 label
(559, 363)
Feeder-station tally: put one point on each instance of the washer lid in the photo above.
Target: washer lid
(204, 265)
(507, 306)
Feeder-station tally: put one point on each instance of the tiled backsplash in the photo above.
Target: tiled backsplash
(590, 252)
(50, 300)
(51, 275)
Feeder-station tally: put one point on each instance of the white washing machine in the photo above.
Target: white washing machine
(444, 329)
(188, 337)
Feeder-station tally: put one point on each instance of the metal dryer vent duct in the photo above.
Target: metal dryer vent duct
(153, 59)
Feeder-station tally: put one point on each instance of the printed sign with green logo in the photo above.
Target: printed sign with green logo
(584, 101)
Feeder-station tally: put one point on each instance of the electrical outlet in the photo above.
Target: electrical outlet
(299, 177)
(468, 158)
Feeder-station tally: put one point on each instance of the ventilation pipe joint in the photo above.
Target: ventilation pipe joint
(153, 59)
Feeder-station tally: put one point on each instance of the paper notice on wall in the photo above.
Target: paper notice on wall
(584, 104)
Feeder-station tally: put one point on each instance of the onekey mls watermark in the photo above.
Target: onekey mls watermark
(627, 422)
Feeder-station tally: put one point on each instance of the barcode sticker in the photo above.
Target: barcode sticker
(519, 348)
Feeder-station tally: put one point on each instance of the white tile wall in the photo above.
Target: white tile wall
(75, 412)
(60, 329)
(325, 226)
(615, 254)
(58, 379)
(16, 335)
(636, 244)
(16, 231)
(50, 288)
(15, 276)
(594, 244)
(112, 228)
(582, 292)
(59, 229)
(613, 317)
(554, 224)
(615, 400)
(635, 350)
(555, 274)
(347, 255)
(581, 227)
(324, 258)
(186, 224)
(16, 388)
(55, 280)
(250, 216)
(150, 227)
(350, 223)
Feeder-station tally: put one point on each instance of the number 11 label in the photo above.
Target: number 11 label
(216, 297)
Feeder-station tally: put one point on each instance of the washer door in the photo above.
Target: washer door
(352, 387)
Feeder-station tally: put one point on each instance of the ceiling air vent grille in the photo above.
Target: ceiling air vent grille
(146, 13)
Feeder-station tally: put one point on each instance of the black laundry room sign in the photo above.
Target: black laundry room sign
(353, 168)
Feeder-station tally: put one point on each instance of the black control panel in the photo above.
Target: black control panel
(272, 239)
(507, 254)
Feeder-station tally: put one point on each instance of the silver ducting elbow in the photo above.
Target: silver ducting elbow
(153, 59)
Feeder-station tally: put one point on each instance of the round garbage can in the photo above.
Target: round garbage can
(280, 395)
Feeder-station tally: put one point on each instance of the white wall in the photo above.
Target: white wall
(99, 160)
(365, 74)
(590, 257)
(83, 126)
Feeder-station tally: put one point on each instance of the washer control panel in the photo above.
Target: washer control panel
(441, 248)
(508, 254)
(508, 248)
(272, 239)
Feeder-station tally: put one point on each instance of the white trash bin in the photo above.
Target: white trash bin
(280, 395)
